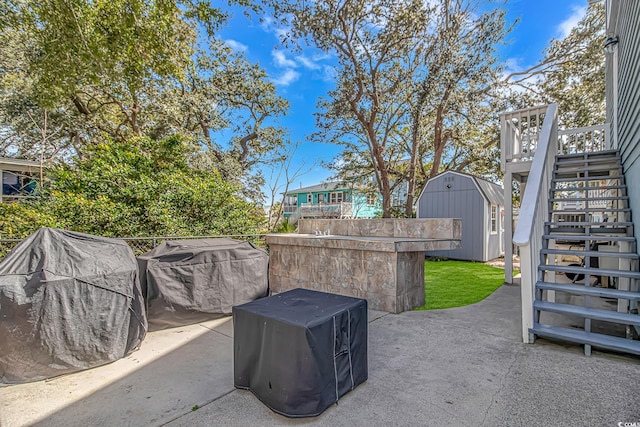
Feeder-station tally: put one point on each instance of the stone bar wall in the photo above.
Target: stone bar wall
(384, 263)
(433, 228)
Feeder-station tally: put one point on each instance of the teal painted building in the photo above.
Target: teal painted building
(331, 200)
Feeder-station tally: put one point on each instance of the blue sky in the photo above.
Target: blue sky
(303, 77)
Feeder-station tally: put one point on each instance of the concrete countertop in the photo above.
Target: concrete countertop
(377, 244)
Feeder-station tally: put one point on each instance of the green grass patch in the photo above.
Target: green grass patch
(450, 284)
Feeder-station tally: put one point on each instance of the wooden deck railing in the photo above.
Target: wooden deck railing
(586, 139)
(533, 214)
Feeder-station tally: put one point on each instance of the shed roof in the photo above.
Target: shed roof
(492, 192)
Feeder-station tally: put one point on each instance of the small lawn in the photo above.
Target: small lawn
(456, 283)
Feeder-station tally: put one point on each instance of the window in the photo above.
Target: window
(17, 184)
(337, 197)
(309, 198)
(371, 199)
(494, 219)
(321, 198)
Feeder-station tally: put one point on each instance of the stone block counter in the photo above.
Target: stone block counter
(380, 260)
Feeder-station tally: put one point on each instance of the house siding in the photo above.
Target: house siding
(628, 47)
(464, 201)
(360, 207)
(362, 210)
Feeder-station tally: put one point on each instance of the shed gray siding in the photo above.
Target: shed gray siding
(629, 100)
(462, 200)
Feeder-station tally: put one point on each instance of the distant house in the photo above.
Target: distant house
(480, 205)
(19, 178)
(330, 200)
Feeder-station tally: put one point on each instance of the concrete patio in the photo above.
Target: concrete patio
(456, 367)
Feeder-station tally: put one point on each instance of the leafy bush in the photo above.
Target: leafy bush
(140, 187)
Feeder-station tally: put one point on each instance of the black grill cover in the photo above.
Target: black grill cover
(68, 301)
(299, 351)
(190, 281)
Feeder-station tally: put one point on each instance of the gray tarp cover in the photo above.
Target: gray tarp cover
(189, 281)
(68, 301)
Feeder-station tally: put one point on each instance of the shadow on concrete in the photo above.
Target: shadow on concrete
(461, 366)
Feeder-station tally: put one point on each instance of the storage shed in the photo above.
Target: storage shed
(480, 205)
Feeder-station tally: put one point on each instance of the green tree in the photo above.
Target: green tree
(413, 86)
(451, 92)
(125, 68)
(370, 40)
(571, 73)
(138, 187)
(578, 84)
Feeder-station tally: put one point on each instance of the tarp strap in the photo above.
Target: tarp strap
(349, 349)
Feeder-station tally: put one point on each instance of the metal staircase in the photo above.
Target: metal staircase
(587, 288)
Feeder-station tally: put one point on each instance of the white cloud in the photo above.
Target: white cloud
(329, 73)
(236, 45)
(270, 25)
(281, 60)
(307, 62)
(282, 33)
(512, 65)
(285, 79)
(266, 23)
(515, 65)
(578, 12)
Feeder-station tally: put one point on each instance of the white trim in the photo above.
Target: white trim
(333, 197)
(493, 223)
(614, 89)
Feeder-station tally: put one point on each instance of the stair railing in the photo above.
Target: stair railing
(533, 214)
(520, 131)
(586, 139)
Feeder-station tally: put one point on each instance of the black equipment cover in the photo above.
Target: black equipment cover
(68, 301)
(301, 350)
(190, 281)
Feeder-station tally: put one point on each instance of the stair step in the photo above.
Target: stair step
(588, 154)
(615, 160)
(586, 238)
(579, 211)
(578, 175)
(589, 169)
(589, 291)
(626, 255)
(583, 230)
(589, 199)
(582, 337)
(593, 188)
(590, 271)
(584, 179)
(614, 224)
(588, 313)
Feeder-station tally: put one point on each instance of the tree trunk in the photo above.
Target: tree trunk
(413, 160)
(383, 184)
(439, 140)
